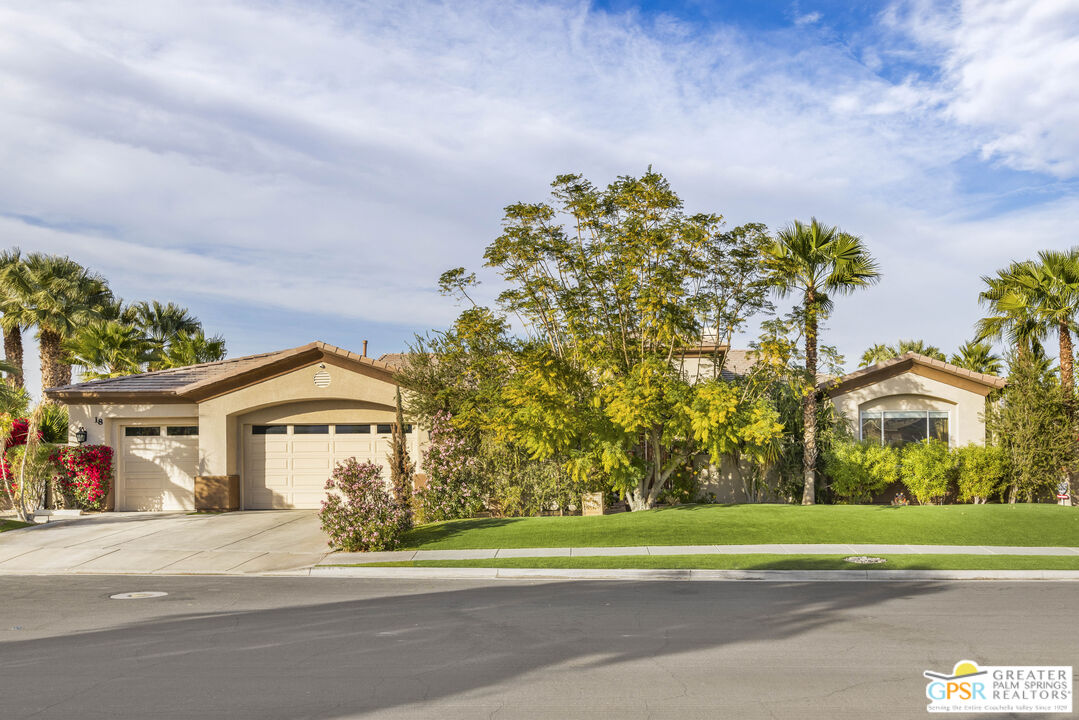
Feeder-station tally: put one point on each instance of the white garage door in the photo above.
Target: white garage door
(286, 466)
(157, 470)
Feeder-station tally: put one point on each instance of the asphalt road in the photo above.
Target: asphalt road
(324, 648)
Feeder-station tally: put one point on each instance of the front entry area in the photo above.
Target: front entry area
(287, 465)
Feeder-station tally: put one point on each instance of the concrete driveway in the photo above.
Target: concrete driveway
(269, 541)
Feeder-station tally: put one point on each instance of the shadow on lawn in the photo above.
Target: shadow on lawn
(392, 650)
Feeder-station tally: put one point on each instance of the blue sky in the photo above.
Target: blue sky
(305, 170)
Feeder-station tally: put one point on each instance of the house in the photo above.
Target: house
(914, 397)
(906, 399)
(256, 432)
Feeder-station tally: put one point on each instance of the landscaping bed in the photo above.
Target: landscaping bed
(1020, 524)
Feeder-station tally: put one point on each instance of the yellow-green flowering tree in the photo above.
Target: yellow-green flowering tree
(611, 285)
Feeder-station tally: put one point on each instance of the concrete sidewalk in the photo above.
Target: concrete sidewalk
(236, 543)
(341, 558)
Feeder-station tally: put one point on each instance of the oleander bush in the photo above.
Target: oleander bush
(454, 488)
(359, 513)
(860, 470)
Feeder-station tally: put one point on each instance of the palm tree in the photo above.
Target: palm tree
(161, 321)
(817, 261)
(977, 357)
(107, 348)
(876, 354)
(190, 349)
(919, 347)
(1042, 296)
(63, 296)
(16, 319)
(1012, 317)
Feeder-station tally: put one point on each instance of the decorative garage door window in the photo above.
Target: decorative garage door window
(899, 427)
(142, 431)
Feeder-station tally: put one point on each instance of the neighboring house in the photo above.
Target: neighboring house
(914, 397)
(256, 432)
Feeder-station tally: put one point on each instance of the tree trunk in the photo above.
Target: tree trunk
(54, 371)
(1067, 382)
(809, 404)
(13, 355)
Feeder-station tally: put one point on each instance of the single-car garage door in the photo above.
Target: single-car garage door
(286, 466)
(157, 469)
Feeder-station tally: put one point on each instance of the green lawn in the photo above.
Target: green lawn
(763, 562)
(6, 525)
(1026, 525)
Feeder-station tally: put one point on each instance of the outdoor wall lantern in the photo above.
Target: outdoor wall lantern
(80, 435)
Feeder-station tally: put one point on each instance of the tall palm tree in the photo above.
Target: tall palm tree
(1045, 295)
(107, 348)
(16, 319)
(1012, 316)
(817, 261)
(190, 349)
(161, 321)
(63, 296)
(977, 357)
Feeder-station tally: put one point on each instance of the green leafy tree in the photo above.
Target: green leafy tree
(1032, 425)
(983, 472)
(977, 357)
(63, 296)
(929, 467)
(817, 262)
(610, 285)
(858, 470)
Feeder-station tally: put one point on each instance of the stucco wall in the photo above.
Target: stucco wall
(221, 419)
(914, 392)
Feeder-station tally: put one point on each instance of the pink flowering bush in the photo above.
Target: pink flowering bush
(361, 515)
(85, 473)
(453, 487)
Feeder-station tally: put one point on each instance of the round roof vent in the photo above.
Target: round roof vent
(322, 379)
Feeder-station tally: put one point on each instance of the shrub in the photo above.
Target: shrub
(85, 473)
(453, 488)
(983, 472)
(361, 515)
(929, 467)
(859, 471)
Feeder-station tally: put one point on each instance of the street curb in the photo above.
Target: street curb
(473, 573)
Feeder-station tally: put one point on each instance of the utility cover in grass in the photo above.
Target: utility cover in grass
(864, 560)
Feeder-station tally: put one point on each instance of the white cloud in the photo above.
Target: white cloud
(337, 157)
(1009, 67)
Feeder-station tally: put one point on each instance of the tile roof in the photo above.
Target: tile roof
(180, 382)
(904, 362)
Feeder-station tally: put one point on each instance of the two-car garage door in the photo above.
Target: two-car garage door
(286, 466)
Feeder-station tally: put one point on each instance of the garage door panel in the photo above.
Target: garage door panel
(157, 473)
(296, 477)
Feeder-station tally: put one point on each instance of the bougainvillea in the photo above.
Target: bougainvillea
(453, 489)
(86, 473)
(361, 515)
